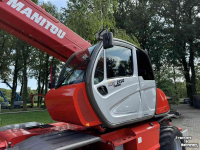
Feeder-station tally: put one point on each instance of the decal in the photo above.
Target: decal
(139, 140)
(115, 83)
(43, 22)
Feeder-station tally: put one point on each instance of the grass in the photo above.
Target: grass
(8, 119)
(20, 109)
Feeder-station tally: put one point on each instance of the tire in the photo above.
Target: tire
(168, 139)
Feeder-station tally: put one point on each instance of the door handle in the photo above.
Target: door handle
(102, 90)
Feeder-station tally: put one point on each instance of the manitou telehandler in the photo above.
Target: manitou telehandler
(105, 97)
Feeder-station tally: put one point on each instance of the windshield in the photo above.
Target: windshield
(74, 70)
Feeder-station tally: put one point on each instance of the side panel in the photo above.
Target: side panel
(121, 104)
(141, 136)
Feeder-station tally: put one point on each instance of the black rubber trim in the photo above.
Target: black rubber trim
(88, 81)
(161, 115)
(64, 69)
(168, 116)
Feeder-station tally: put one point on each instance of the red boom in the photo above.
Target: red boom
(29, 22)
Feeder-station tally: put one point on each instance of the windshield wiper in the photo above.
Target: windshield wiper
(70, 73)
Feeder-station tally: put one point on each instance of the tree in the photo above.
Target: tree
(180, 18)
(87, 17)
(5, 54)
(169, 31)
(40, 69)
(17, 63)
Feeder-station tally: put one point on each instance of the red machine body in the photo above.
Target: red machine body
(162, 103)
(32, 24)
(68, 101)
(142, 136)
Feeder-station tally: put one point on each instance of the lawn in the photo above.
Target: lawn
(20, 109)
(8, 119)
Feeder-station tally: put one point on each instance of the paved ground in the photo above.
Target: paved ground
(190, 120)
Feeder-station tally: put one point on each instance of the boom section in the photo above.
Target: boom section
(32, 24)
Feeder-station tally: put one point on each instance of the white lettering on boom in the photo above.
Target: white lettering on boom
(15, 5)
(37, 18)
(61, 34)
(27, 12)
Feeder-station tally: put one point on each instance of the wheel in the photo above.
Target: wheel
(168, 139)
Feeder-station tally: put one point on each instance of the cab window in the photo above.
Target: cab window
(144, 66)
(119, 62)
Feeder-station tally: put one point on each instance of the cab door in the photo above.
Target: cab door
(147, 84)
(115, 85)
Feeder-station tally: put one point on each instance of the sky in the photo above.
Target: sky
(32, 83)
(58, 3)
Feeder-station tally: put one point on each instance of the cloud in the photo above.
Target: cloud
(117, 59)
(49, 0)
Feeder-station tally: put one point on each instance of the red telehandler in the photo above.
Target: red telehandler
(105, 97)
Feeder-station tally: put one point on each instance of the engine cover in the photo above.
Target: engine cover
(70, 104)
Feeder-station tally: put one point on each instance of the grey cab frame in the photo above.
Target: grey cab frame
(89, 87)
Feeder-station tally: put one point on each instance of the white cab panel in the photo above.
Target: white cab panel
(148, 96)
(123, 101)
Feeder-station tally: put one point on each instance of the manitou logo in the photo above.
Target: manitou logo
(19, 6)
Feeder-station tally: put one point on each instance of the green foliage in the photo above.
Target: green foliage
(121, 34)
(40, 67)
(198, 78)
(7, 94)
(1, 99)
(87, 17)
(169, 31)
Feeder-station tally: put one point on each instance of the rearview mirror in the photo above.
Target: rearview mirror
(99, 35)
(108, 40)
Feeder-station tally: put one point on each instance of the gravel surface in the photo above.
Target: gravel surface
(190, 120)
